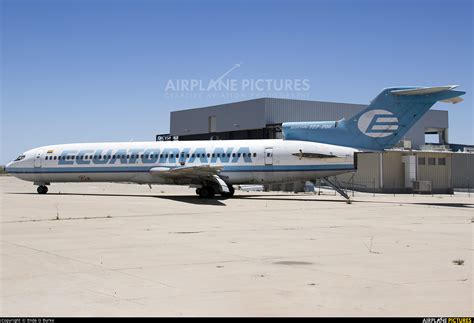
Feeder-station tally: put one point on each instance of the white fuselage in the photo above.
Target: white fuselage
(242, 161)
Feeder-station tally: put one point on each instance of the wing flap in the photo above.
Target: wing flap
(187, 171)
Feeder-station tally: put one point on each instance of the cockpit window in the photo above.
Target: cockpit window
(20, 157)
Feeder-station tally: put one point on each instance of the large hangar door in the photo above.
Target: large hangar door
(268, 156)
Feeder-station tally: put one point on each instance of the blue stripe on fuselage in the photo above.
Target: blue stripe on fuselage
(139, 169)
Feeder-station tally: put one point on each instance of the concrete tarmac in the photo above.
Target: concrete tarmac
(95, 249)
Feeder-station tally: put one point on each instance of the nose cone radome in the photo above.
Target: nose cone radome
(8, 167)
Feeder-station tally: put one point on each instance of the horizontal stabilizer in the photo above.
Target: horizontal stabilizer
(424, 90)
(453, 100)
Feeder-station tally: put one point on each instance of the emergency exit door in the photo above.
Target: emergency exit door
(268, 156)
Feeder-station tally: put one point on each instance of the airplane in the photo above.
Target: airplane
(308, 151)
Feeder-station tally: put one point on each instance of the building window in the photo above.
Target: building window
(442, 161)
(431, 161)
(421, 161)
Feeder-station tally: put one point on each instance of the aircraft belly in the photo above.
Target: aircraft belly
(262, 177)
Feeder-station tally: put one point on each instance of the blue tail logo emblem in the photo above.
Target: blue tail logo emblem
(378, 123)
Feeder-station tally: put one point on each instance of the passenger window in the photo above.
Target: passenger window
(208, 155)
(218, 155)
(228, 154)
(254, 154)
(233, 154)
(187, 155)
(54, 157)
(239, 154)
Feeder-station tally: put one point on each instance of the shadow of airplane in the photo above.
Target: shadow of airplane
(217, 201)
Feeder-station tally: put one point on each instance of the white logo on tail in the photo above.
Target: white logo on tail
(378, 123)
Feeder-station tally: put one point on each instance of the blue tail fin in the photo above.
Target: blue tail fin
(381, 125)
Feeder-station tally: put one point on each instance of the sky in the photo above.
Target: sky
(104, 70)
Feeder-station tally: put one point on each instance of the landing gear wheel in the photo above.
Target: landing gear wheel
(231, 192)
(42, 189)
(206, 192)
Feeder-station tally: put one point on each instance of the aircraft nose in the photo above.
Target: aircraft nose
(8, 167)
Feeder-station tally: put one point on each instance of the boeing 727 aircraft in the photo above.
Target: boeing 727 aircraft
(309, 150)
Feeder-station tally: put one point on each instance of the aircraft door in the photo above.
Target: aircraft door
(268, 156)
(38, 159)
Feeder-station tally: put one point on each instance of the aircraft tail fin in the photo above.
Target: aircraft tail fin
(381, 125)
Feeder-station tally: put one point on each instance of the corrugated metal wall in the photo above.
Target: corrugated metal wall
(439, 175)
(463, 170)
(367, 177)
(393, 172)
(282, 110)
(237, 116)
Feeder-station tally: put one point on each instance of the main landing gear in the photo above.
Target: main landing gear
(42, 189)
(208, 192)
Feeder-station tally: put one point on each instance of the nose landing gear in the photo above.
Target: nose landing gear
(42, 189)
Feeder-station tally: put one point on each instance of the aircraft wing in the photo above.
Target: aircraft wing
(207, 172)
(187, 171)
